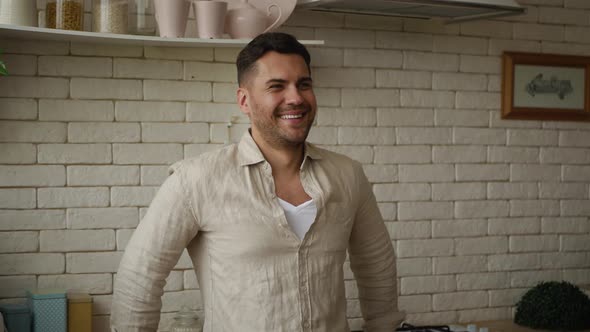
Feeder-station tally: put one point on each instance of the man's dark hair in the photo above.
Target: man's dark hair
(266, 42)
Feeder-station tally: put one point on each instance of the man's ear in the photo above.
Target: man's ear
(244, 100)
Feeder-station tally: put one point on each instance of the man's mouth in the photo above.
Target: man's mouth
(293, 113)
(291, 116)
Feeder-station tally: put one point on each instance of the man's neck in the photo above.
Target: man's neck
(283, 159)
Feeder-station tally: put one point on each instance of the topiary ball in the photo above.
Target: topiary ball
(554, 306)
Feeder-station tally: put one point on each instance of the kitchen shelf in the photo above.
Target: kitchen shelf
(33, 33)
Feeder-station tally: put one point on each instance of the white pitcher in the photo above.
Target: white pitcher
(245, 21)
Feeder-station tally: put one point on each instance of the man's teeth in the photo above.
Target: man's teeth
(288, 116)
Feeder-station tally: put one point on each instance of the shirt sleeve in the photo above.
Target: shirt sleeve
(153, 250)
(372, 260)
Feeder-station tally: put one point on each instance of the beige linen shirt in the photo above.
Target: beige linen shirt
(254, 273)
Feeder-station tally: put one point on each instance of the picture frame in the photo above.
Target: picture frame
(545, 87)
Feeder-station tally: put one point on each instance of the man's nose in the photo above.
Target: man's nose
(293, 96)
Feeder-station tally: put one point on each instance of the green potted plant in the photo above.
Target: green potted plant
(554, 305)
(3, 71)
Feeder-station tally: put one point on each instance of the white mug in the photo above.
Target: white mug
(210, 16)
(171, 16)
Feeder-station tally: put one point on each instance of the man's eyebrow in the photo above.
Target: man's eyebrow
(282, 81)
(276, 80)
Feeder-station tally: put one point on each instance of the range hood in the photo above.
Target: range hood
(448, 10)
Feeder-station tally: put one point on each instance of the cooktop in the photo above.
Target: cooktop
(405, 327)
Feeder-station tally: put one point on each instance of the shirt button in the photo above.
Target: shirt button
(306, 325)
(304, 288)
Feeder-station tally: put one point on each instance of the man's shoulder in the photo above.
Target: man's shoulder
(213, 161)
(334, 158)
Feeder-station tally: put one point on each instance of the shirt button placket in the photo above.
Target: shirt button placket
(304, 291)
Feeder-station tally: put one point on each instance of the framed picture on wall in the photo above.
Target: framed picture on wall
(545, 87)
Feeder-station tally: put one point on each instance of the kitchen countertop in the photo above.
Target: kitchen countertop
(507, 326)
(503, 326)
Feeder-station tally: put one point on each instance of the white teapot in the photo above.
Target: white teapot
(245, 21)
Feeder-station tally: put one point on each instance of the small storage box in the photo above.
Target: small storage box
(79, 312)
(17, 317)
(49, 308)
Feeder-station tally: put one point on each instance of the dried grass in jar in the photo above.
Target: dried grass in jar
(67, 15)
(110, 16)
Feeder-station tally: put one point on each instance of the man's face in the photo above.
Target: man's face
(278, 97)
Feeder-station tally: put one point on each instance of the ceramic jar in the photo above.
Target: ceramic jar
(18, 12)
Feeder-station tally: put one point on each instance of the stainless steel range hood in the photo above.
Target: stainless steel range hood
(448, 10)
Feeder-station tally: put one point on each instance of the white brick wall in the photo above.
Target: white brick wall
(18, 198)
(93, 262)
(459, 228)
(22, 108)
(474, 281)
(157, 69)
(84, 132)
(176, 90)
(98, 218)
(75, 110)
(75, 66)
(34, 87)
(459, 300)
(427, 285)
(479, 208)
(101, 283)
(147, 111)
(74, 153)
(19, 242)
(95, 88)
(24, 131)
(77, 240)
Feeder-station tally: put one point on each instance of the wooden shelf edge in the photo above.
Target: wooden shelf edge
(34, 33)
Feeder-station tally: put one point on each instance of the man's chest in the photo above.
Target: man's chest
(246, 218)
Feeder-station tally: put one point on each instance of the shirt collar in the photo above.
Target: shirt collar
(250, 154)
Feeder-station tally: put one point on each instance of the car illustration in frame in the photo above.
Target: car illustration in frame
(545, 87)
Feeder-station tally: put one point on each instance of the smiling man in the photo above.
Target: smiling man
(267, 222)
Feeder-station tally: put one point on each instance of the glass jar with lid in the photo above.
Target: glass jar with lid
(187, 320)
(141, 17)
(65, 14)
(110, 16)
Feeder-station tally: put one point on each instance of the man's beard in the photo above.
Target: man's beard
(273, 133)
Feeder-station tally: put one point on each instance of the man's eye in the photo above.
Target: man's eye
(305, 86)
(275, 86)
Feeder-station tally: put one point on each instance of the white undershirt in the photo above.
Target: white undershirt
(299, 217)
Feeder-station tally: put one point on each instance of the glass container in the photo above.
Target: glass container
(110, 16)
(65, 14)
(141, 17)
(187, 320)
